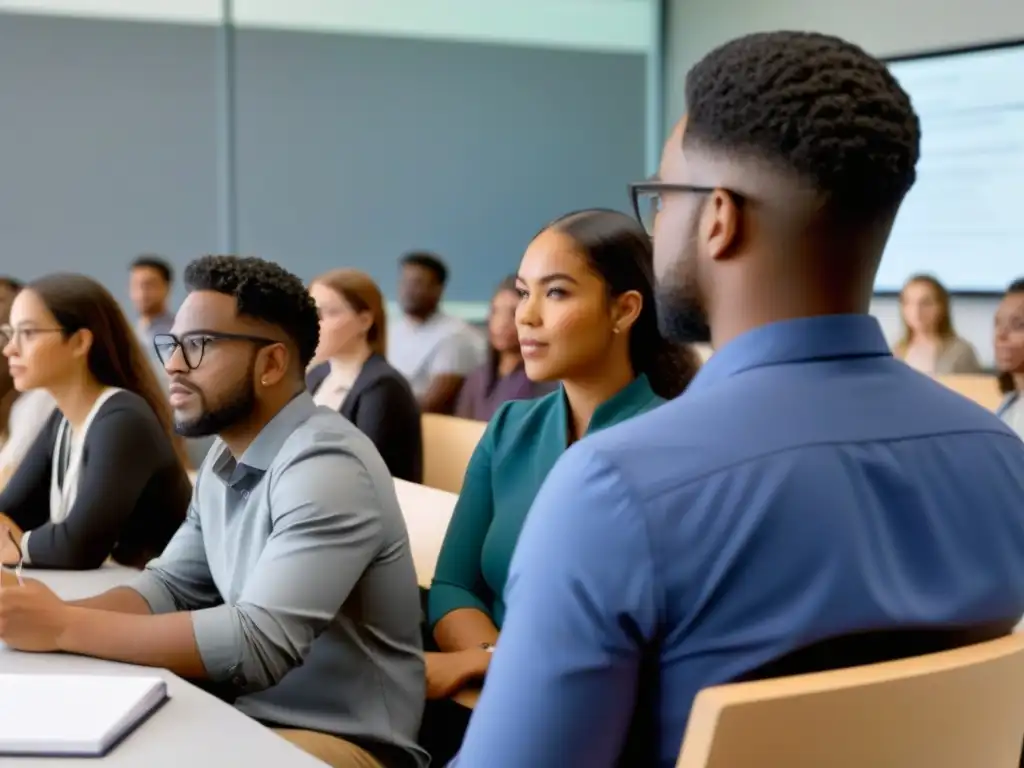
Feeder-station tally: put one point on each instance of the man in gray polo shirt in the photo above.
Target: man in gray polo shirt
(290, 587)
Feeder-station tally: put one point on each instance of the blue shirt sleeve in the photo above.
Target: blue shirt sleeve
(582, 606)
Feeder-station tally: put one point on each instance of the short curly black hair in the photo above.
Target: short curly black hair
(428, 261)
(812, 104)
(264, 291)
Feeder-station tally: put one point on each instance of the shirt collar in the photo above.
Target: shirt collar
(261, 452)
(631, 400)
(826, 337)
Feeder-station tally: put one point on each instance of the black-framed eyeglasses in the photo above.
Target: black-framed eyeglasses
(193, 345)
(9, 333)
(21, 556)
(646, 197)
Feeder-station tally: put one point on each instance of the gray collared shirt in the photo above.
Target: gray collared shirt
(296, 566)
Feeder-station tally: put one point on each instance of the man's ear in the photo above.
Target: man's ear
(720, 224)
(276, 360)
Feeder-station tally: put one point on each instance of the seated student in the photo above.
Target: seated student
(103, 478)
(290, 588)
(807, 486)
(8, 394)
(503, 377)
(929, 343)
(356, 379)
(1010, 355)
(586, 318)
(434, 351)
(22, 416)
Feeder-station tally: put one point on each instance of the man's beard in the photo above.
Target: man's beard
(681, 315)
(237, 407)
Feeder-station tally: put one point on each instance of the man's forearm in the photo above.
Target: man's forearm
(118, 600)
(165, 641)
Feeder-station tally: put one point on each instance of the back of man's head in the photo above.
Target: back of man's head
(264, 291)
(814, 107)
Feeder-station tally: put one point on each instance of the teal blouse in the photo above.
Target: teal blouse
(520, 446)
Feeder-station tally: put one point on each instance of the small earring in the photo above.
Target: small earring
(263, 382)
(616, 329)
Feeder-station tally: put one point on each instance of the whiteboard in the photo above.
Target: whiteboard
(962, 221)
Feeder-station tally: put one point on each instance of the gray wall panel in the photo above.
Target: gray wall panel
(351, 150)
(108, 144)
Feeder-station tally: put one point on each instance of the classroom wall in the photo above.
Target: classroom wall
(319, 133)
(883, 27)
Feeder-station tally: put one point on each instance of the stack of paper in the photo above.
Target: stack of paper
(83, 715)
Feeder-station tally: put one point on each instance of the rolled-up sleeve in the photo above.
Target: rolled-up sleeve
(179, 580)
(326, 530)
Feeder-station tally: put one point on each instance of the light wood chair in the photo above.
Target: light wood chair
(952, 709)
(981, 388)
(448, 444)
(427, 512)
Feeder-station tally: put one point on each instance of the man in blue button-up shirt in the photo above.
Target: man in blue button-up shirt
(807, 486)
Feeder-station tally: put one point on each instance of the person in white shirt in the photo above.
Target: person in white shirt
(434, 351)
(1009, 343)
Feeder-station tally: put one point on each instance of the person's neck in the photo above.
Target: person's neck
(76, 400)
(239, 437)
(1018, 381)
(799, 301)
(508, 362)
(349, 364)
(421, 317)
(926, 339)
(587, 394)
(148, 318)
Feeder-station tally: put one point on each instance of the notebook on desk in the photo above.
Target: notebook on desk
(73, 715)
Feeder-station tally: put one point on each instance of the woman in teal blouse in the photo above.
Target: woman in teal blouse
(586, 318)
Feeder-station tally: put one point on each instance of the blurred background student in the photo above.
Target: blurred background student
(930, 343)
(356, 378)
(22, 415)
(503, 377)
(1009, 343)
(104, 477)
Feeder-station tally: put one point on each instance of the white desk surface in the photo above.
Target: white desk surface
(427, 512)
(193, 729)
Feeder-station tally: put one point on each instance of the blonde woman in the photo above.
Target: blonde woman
(929, 342)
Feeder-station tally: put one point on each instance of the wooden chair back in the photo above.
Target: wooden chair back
(954, 708)
(981, 388)
(448, 444)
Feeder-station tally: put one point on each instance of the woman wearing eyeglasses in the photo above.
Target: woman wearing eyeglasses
(105, 478)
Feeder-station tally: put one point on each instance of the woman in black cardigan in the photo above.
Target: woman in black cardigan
(105, 477)
(356, 379)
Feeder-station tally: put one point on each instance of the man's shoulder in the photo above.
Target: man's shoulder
(324, 433)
